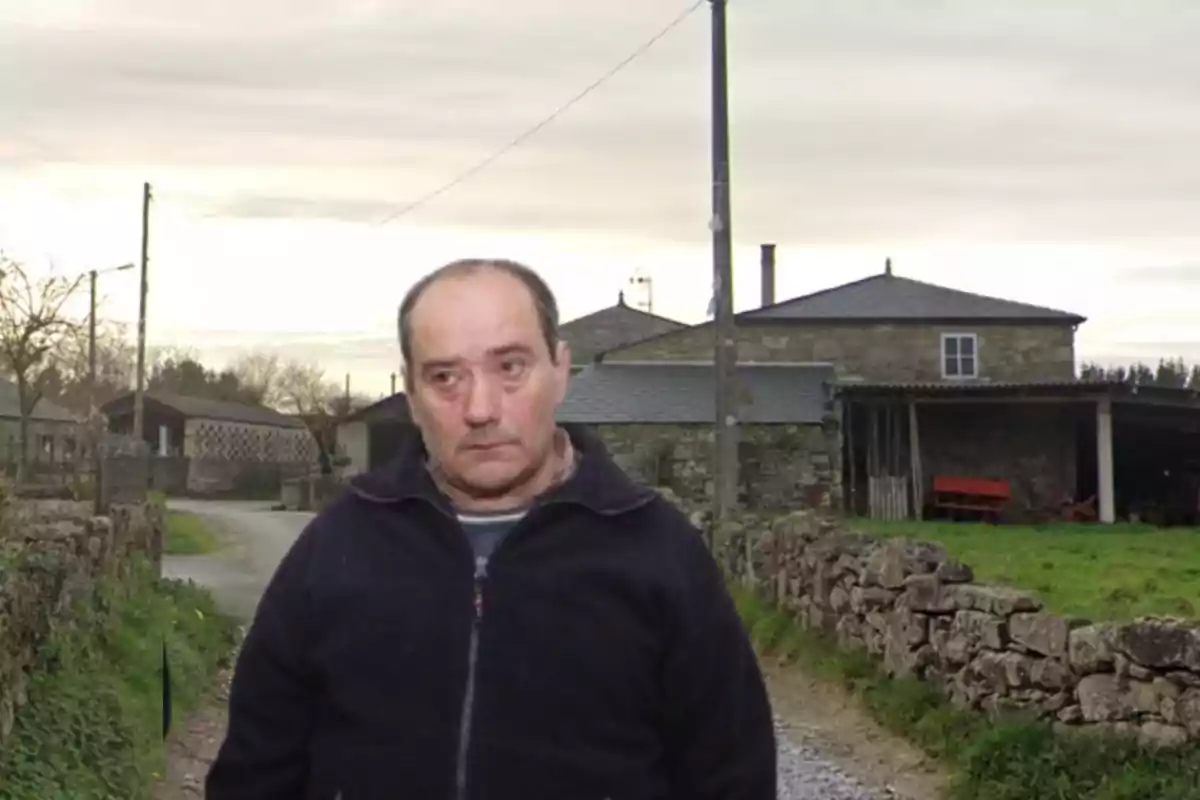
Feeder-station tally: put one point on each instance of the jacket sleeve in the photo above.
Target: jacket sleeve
(720, 730)
(264, 753)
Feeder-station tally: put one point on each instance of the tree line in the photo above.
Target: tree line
(1170, 372)
(44, 352)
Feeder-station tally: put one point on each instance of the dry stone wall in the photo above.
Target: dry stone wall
(52, 553)
(990, 648)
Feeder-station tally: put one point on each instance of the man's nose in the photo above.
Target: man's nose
(482, 402)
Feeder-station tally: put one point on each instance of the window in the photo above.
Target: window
(960, 356)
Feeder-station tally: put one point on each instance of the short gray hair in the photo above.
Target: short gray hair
(543, 299)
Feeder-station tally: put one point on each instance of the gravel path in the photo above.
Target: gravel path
(805, 774)
(828, 750)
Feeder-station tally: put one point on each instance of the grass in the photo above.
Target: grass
(1009, 760)
(188, 535)
(92, 727)
(1098, 572)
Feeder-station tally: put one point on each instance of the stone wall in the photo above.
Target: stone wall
(781, 466)
(990, 648)
(51, 553)
(880, 352)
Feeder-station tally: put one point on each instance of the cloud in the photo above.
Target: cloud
(1158, 274)
(847, 126)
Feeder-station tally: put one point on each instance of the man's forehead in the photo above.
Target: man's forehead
(473, 314)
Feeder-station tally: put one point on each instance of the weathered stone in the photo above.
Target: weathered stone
(849, 632)
(1155, 734)
(954, 572)
(1148, 697)
(888, 566)
(981, 628)
(1187, 710)
(839, 600)
(907, 628)
(1071, 715)
(1042, 633)
(925, 593)
(1161, 644)
(1102, 698)
(1092, 647)
(998, 600)
(1051, 673)
(871, 598)
(1184, 680)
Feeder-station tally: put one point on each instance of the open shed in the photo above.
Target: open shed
(1126, 451)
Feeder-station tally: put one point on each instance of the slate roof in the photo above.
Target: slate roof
(44, 411)
(612, 327)
(393, 408)
(683, 392)
(889, 297)
(203, 408)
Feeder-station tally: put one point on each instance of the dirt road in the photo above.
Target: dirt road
(828, 747)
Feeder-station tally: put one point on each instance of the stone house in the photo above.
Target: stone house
(612, 327)
(56, 436)
(889, 328)
(204, 446)
(657, 421)
(936, 382)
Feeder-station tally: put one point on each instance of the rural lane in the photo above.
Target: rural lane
(827, 749)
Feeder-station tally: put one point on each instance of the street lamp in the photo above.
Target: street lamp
(92, 334)
(93, 422)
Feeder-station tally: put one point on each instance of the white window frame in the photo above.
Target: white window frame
(942, 355)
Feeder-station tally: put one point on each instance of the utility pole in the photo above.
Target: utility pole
(93, 421)
(139, 400)
(725, 345)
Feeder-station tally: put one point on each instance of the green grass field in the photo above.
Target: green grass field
(187, 535)
(1099, 572)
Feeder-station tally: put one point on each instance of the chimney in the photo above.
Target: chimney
(621, 298)
(768, 275)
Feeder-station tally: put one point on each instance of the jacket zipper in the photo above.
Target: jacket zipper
(468, 704)
(480, 578)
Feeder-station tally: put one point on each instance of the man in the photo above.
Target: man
(500, 613)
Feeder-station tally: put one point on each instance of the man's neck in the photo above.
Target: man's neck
(557, 469)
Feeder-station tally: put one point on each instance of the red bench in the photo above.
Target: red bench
(981, 495)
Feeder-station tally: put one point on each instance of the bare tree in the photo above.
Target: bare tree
(35, 330)
(259, 373)
(302, 389)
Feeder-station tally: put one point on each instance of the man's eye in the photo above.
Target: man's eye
(441, 378)
(512, 367)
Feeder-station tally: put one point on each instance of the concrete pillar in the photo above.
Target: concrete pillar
(1104, 462)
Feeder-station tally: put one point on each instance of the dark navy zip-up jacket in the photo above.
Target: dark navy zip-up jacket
(595, 656)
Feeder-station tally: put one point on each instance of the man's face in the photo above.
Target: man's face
(483, 387)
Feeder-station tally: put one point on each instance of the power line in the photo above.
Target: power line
(519, 140)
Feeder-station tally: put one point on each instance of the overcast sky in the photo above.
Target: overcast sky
(1039, 152)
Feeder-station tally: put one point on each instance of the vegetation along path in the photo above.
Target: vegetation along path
(829, 748)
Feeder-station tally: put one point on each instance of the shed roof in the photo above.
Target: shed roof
(390, 409)
(204, 408)
(890, 297)
(683, 392)
(612, 327)
(43, 411)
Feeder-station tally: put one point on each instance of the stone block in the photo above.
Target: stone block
(1042, 633)
(1161, 644)
(998, 600)
(1092, 648)
(1103, 698)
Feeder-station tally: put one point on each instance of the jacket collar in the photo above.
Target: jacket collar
(597, 483)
